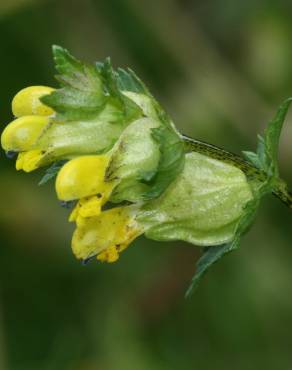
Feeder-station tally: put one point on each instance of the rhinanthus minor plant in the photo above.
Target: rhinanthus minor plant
(108, 141)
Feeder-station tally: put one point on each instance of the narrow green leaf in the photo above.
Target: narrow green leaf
(210, 256)
(272, 138)
(266, 157)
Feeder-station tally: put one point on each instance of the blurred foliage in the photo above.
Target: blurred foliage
(220, 68)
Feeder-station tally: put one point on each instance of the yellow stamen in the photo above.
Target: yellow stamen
(27, 102)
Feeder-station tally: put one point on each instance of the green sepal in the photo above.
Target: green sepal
(202, 206)
(134, 159)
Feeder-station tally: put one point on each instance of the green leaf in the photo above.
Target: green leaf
(210, 256)
(74, 73)
(81, 95)
(272, 138)
(172, 158)
(52, 172)
(266, 157)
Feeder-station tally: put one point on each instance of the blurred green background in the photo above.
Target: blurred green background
(220, 68)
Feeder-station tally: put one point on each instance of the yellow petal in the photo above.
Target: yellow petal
(29, 161)
(19, 161)
(26, 102)
(106, 235)
(74, 214)
(22, 133)
(83, 177)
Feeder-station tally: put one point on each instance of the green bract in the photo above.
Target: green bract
(202, 206)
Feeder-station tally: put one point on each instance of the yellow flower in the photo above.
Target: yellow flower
(27, 102)
(82, 179)
(43, 136)
(106, 235)
(21, 135)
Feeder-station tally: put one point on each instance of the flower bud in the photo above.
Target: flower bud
(27, 102)
(21, 134)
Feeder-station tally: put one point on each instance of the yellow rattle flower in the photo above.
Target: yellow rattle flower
(27, 102)
(20, 135)
(82, 179)
(106, 235)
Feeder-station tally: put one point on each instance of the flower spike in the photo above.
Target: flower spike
(108, 140)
